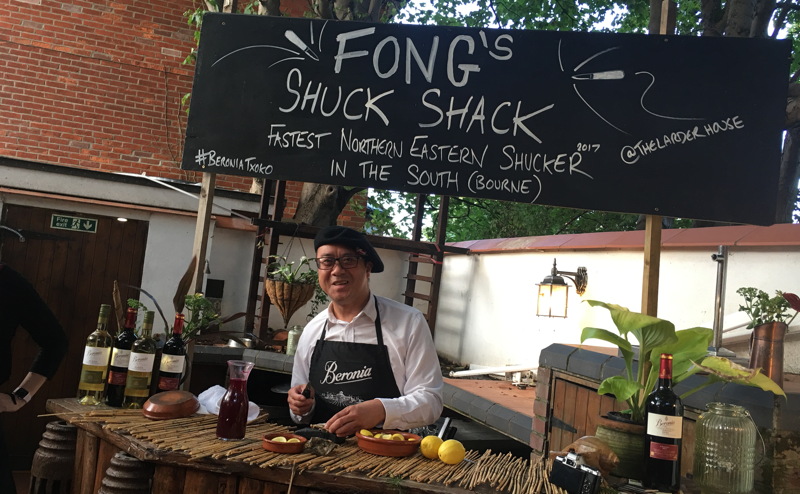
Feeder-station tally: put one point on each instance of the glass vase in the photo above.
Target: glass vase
(724, 451)
(233, 408)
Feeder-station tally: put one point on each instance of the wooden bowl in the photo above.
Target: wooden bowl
(285, 448)
(170, 405)
(389, 447)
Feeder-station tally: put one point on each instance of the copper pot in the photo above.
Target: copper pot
(170, 405)
(766, 350)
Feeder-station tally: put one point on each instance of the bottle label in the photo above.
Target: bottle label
(92, 380)
(117, 378)
(168, 383)
(172, 363)
(661, 451)
(664, 425)
(120, 357)
(96, 356)
(138, 386)
(141, 362)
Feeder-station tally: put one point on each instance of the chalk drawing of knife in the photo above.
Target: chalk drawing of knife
(605, 75)
(295, 39)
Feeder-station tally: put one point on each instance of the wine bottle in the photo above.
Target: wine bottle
(664, 427)
(95, 361)
(120, 357)
(140, 367)
(172, 358)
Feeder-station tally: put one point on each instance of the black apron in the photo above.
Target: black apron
(345, 374)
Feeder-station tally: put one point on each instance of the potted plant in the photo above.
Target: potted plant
(654, 336)
(770, 318)
(290, 285)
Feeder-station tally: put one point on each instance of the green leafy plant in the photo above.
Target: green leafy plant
(281, 269)
(320, 299)
(202, 315)
(688, 347)
(763, 309)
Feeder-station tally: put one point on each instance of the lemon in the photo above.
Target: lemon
(279, 439)
(452, 452)
(386, 436)
(429, 446)
(293, 440)
(398, 437)
(365, 432)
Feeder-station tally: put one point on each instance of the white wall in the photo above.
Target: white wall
(487, 302)
(170, 232)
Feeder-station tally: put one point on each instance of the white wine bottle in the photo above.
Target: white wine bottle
(140, 367)
(95, 361)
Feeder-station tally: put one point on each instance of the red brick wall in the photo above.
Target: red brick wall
(98, 84)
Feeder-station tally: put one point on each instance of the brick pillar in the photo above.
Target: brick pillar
(541, 405)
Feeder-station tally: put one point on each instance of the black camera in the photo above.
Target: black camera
(573, 475)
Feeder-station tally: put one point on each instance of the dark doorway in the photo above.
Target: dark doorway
(74, 271)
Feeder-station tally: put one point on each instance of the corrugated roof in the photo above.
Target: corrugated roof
(742, 235)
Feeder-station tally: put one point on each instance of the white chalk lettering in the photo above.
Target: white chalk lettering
(632, 154)
(444, 179)
(542, 163)
(447, 153)
(457, 112)
(460, 56)
(479, 182)
(370, 145)
(212, 159)
(371, 171)
(311, 97)
(294, 139)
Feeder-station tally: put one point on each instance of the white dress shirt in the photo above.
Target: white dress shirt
(412, 355)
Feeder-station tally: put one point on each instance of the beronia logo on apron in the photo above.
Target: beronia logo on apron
(333, 377)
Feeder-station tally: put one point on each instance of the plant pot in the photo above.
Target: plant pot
(766, 350)
(288, 297)
(626, 439)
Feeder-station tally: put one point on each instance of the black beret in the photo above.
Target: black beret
(341, 235)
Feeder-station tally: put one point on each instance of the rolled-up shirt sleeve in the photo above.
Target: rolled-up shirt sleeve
(417, 371)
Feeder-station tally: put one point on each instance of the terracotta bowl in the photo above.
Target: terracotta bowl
(286, 448)
(170, 405)
(389, 447)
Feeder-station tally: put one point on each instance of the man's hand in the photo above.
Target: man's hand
(352, 419)
(8, 404)
(298, 403)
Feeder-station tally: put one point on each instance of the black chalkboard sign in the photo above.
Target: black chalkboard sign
(671, 125)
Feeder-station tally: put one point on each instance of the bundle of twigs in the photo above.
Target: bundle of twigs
(195, 437)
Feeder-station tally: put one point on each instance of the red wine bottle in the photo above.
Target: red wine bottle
(664, 412)
(120, 356)
(172, 358)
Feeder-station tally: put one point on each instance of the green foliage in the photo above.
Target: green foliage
(201, 315)
(320, 299)
(655, 336)
(763, 309)
(392, 214)
(281, 269)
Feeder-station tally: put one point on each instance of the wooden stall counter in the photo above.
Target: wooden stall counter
(188, 458)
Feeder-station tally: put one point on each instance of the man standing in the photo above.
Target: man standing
(365, 361)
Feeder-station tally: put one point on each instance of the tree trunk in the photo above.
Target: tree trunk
(321, 204)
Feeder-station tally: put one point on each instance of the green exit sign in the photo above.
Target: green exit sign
(61, 222)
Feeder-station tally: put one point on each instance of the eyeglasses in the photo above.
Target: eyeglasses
(346, 262)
